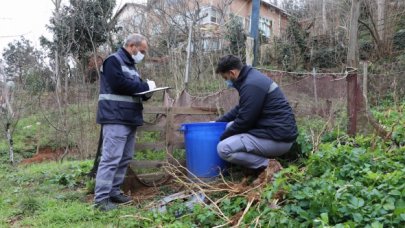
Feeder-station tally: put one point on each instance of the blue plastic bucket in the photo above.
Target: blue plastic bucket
(201, 140)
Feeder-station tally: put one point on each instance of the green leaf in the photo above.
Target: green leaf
(357, 217)
(377, 225)
(390, 204)
(325, 218)
(395, 193)
(357, 202)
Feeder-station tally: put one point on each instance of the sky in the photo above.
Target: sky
(28, 18)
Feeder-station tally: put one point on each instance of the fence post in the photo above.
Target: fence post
(365, 72)
(352, 88)
(315, 89)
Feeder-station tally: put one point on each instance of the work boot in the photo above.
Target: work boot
(267, 174)
(121, 199)
(105, 205)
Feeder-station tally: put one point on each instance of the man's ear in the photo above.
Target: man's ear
(233, 74)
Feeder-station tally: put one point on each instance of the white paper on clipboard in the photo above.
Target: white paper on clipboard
(153, 90)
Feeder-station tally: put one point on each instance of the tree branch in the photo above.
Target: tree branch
(372, 32)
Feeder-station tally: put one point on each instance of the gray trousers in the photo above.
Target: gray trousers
(117, 152)
(249, 151)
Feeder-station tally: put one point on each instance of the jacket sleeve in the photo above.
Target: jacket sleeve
(120, 83)
(229, 116)
(250, 108)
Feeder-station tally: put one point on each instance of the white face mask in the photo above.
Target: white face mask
(138, 57)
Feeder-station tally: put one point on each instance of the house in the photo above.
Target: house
(273, 20)
(209, 18)
(130, 18)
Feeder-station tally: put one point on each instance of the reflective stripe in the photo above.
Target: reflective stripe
(273, 86)
(131, 71)
(115, 97)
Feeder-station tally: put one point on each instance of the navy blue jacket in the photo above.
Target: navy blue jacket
(263, 110)
(119, 82)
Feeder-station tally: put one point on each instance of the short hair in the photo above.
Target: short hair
(227, 63)
(135, 38)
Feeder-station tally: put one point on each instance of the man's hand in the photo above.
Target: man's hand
(151, 84)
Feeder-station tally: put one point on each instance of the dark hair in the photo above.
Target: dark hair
(228, 62)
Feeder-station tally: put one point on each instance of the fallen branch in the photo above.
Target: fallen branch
(244, 212)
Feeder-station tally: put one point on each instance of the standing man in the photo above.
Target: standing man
(119, 112)
(262, 125)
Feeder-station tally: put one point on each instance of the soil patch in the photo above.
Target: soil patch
(47, 154)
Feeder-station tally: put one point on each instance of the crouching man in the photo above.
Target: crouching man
(262, 126)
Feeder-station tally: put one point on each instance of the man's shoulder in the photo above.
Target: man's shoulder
(112, 59)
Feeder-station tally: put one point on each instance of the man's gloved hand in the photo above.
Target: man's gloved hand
(148, 95)
(151, 84)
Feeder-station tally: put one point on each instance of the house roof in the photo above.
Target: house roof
(123, 8)
(281, 10)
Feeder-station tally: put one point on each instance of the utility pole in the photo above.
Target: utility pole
(352, 64)
(254, 29)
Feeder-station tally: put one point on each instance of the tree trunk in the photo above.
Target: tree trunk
(10, 142)
(381, 18)
(324, 24)
(352, 52)
(352, 64)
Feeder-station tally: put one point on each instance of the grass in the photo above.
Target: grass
(34, 196)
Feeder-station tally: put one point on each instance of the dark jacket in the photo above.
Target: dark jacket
(119, 82)
(263, 110)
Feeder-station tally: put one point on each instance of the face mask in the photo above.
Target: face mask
(230, 84)
(138, 57)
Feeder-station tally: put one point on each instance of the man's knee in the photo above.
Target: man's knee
(224, 150)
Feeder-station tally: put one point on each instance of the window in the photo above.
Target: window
(172, 2)
(211, 15)
(214, 15)
(239, 19)
(265, 26)
(211, 44)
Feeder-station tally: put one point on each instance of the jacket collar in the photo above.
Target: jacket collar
(126, 56)
(242, 75)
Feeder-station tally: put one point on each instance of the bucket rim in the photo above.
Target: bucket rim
(203, 123)
(185, 126)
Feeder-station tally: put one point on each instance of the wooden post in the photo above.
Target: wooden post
(10, 142)
(249, 51)
(352, 64)
(188, 55)
(365, 72)
(351, 103)
(315, 89)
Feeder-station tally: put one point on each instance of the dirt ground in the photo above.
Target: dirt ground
(47, 154)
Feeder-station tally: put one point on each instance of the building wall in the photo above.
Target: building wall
(277, 20)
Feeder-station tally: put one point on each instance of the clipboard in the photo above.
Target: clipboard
(153, 90)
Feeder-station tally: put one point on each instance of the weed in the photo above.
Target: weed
(28, 206)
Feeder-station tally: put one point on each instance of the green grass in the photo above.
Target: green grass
(51, 195)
